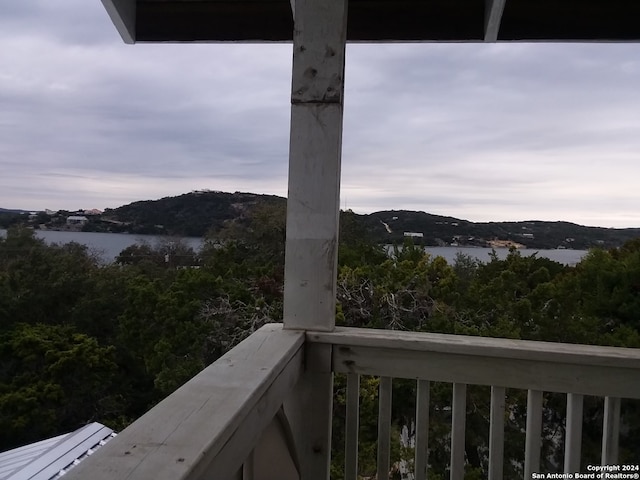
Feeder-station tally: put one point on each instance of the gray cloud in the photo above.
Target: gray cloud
(483, 132)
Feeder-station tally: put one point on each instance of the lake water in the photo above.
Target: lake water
(109, 245)
(565, 256)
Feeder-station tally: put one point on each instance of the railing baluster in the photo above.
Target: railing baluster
(458, 421)
(573, 436)
(422, 430)
(610, 430)
(533, 438)
(496, 433)
(384, 428)
(352, 425)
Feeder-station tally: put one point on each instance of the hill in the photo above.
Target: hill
(201, 212)
(12, 210)
(390, 226)
(193, 214)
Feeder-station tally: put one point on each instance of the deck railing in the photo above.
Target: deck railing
(537, 367)
(229, 421)
(209, 427)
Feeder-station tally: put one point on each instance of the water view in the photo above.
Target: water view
(109, 245)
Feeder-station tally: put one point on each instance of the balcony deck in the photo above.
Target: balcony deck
(264, 410)
(254, 405)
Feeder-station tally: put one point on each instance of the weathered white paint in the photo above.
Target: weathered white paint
(314, 164)
(610, 430)
(351, 427)
(309, 411)
(123, 16)
(535, 366)
(422, 429)
(554, 367)
(384, 428)
(492, 19)
(573, 436)
(210, 424)
(274, 457)
(533, 437)
(481, 346)
(496, 433)
(458, 425)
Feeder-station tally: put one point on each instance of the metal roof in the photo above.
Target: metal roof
(52, 458)
(382, 20)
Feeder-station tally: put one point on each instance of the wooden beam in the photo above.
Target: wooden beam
(209, 426)
(309, 410)
(496, 432)
(610, 430)
(422, 430)
(573, 435)
(481, 346)
(352, 426)
(492, 19)
(313, 205)
(384, 428)
(274, 455)
(552, 367)
(458, 425)
(123, 16)
(533, 436)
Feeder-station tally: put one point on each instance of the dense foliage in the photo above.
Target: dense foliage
(390, 226)
(193, 214)
(82, 342)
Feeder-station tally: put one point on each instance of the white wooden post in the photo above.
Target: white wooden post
(573, 436)
(352, 427)
(533, 436)
(315, 149)
(309, 411)
(422, 430)
(458, 425)
(610, 430)
(496, 433)
(384, 428)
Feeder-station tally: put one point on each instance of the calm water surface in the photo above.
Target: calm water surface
(109, 245)
(565, 256)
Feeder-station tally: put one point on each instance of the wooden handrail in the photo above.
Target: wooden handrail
(544, 366)
(536, 367)
(210, 425)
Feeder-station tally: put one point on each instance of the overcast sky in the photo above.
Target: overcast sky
(484, 132)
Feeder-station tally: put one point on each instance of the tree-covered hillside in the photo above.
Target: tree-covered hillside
(198, 213)
(82, 342)
(390, 226)
(192, 214)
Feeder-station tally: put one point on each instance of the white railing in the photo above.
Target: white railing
(210, 426)
(536, 367)
(263, 410)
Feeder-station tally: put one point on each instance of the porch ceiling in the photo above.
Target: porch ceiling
(382, 20)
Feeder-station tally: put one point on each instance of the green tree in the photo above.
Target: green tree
(53, 379)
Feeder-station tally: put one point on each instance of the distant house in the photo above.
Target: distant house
(413, 234)
(77, 220)
(93, 211)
